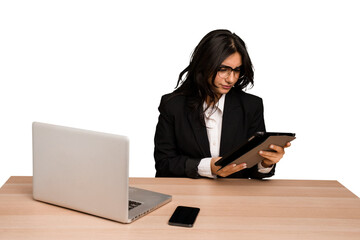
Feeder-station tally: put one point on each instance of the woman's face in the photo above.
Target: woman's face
(222, 83)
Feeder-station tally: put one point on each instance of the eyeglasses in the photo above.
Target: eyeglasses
(225, 71)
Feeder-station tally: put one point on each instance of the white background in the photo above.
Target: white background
(103, 65)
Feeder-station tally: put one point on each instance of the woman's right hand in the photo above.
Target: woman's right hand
(227, 170)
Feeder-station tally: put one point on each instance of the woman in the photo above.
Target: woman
(209, 114)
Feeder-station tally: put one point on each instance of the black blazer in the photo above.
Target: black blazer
(181, 139)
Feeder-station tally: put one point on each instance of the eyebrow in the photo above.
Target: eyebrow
(229, 66)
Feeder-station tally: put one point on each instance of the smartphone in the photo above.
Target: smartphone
(184, 216)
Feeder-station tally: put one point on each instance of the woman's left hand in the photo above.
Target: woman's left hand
(273, 157)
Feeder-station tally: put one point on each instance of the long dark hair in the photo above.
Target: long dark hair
(207, 57)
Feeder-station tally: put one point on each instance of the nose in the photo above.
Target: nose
(231, 78)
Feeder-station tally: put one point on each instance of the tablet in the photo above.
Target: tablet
(249, 152)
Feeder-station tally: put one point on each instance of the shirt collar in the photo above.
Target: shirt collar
(219, 105)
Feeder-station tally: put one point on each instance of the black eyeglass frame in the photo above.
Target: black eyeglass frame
(236, 70)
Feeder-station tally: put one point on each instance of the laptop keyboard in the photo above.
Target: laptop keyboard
(133, 204)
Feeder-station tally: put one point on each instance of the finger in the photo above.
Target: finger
(274, 157)
(267, 154)
(277, 148)
(230, 169)
(288, 144)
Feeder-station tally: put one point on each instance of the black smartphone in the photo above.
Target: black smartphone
(184, 216)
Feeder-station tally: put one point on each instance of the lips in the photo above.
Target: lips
(226, 86)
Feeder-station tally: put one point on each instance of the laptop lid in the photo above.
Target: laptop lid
(82, 170)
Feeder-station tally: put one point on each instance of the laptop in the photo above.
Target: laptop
(88, 171)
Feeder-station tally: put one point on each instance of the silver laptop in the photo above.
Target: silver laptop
(88, 171)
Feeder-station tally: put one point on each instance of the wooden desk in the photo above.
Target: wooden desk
(230, 209)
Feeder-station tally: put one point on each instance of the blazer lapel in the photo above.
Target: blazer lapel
(233, 118)
(200, 133)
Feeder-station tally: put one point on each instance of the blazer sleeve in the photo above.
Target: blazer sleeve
(169, 162)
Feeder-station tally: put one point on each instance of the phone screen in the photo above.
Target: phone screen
(184, 216)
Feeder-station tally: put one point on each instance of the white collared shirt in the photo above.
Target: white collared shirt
(213, 121)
